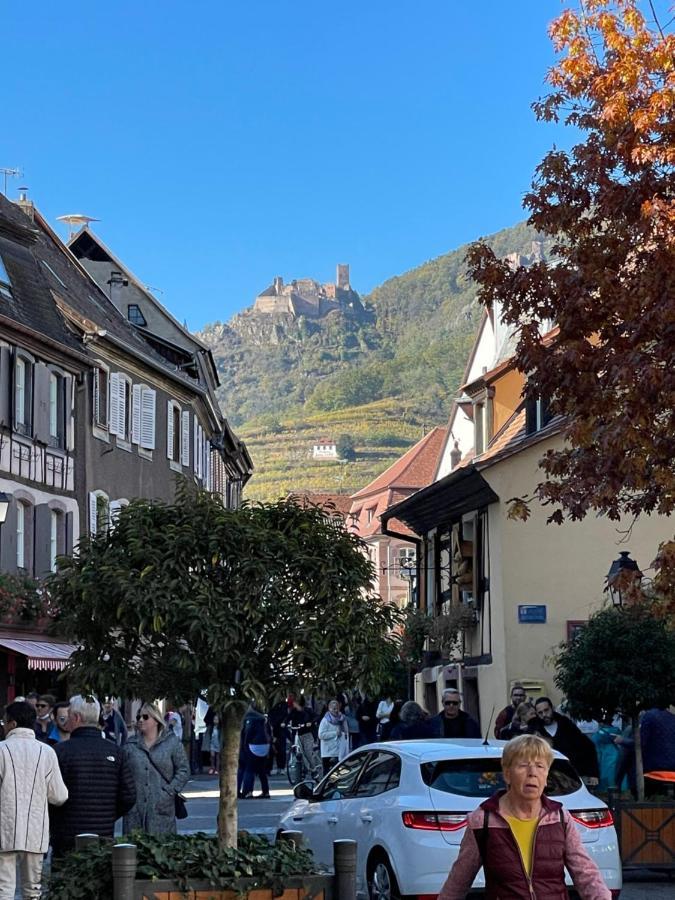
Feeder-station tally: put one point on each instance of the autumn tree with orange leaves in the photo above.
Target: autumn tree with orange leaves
(608, 205)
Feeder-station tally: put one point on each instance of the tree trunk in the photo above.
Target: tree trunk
(639, 769)
(230, 729)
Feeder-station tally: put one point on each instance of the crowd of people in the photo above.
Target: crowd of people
(71, 768)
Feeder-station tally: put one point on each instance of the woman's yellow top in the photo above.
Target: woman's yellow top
(523, 831)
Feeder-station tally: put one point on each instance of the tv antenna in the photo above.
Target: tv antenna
(9, 173)
(75, 221)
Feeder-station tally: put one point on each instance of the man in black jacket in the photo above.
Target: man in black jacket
(453, 722)
(97, 775)
(567, 739)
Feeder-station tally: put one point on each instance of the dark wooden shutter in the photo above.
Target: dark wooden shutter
(5, 386)
(8, 540)
(43, 534)
(70, 535)
(41, 403)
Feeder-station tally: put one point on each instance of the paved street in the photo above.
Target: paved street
(257, 816)
(262, 816)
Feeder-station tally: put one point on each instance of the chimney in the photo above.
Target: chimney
(278, 284)
(25, 204)
(455, 456)
(342, 277)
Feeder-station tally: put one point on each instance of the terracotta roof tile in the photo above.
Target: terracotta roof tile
(415, 469)
(337, 504)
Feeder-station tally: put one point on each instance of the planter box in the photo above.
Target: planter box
(310, 887)
(646, 833)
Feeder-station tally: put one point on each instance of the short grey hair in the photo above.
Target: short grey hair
(449, 691)
(411, 712)
(87, 708)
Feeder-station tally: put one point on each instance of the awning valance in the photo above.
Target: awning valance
(44, 655)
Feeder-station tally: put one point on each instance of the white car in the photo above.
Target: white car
(406, 803)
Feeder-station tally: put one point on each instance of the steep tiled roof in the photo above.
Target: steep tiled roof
(414, 469)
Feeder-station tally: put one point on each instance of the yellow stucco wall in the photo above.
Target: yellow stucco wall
(563, 567)
(506, 398)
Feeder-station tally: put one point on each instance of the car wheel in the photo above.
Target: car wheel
(382, 884)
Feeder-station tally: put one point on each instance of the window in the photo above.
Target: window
(99, 513)
(24, 536)
(406, 561)
(23, 395)
(5, 283)
(134, 314)
(537, 414)
(370, 512)
(382, 773)
(174, 423)
(340, 782)
(100, 397)
(57, 537)
(56, 409)
(479, 427)
(482, 777)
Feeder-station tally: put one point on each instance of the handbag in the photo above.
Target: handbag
(179, 804)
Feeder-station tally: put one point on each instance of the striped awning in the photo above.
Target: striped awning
(43, 655)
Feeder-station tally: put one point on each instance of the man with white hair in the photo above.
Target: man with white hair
(29, 779)
(97, 775)
(452, 721)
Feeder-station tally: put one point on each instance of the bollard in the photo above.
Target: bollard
(82, 841)
(124, 871)
(344, 862)
(296, 837)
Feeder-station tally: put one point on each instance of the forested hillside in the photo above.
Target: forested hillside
(382, 376)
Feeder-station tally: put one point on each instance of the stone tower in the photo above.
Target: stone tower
(342, 277)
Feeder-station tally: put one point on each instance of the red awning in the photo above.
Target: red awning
(43, 655)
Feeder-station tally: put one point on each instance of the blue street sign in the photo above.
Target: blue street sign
(532, 613)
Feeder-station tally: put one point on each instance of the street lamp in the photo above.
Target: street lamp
(623, 577)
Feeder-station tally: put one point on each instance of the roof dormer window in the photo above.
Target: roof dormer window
(134, 315)
(5, 283)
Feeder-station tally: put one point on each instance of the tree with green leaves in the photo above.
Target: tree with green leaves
(621, 661)
(345, 447)
(190, 597)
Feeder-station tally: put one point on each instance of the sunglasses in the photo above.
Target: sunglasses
(143, 716)
(451, 703)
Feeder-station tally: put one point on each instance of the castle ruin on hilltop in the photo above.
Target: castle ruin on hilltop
(307, 297)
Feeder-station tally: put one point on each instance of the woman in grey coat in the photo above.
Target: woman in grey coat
(160, 769)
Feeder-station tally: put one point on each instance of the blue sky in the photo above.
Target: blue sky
(222, 143)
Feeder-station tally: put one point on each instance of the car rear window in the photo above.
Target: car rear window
(482, 777)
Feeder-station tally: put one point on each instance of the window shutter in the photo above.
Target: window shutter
(208, 466)
(5, 386)
(195, 446)
(185, 438)
(136, 414)
(70, 536)
(92, 514)
(42, 540)
(147, 418)
(42, 404)
(116, 419)
(122, 399)
(96, 396)
(68, 405)
(114, 511)
(169, 430)
(200, 452)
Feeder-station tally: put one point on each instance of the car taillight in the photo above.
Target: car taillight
(593, 818)
(431, 821)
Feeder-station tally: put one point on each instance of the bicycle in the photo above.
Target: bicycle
(299, 766)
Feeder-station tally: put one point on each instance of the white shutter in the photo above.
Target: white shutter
(122, 395)
(185, 438)
(92, 513)
(113, 512)
(169, 429)
(200, 452)
(116, 420)
(97, 396)
(148, 419)
(208, 466)
(195, 446)
(136, 414)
